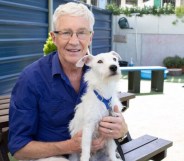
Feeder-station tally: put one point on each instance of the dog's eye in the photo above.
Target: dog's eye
(100, 61)
(114, 59)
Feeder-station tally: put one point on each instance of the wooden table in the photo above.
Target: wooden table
(134, 77)
(125, 98)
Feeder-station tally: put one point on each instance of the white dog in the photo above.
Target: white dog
(100, 97)
(101, 79)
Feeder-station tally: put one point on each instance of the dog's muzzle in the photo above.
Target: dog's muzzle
(113, 68)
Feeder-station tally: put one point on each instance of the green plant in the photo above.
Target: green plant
(49, 46)
(173, 62)
(114, 9)
(166, 9)
(182, 62)
(179, 11)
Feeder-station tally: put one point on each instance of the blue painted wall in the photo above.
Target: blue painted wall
(24, 30)
(102, 40)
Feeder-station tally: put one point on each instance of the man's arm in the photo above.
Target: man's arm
(37, 149)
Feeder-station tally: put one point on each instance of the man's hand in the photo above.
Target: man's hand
(113, 127)
(75, 142)
(97, 144)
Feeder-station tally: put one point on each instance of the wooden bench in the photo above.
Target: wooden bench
(134, 77)
(141, 149)
(125, 99)
(4, 110)
(146, 148)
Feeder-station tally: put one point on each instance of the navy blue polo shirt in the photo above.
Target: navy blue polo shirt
(42, 104)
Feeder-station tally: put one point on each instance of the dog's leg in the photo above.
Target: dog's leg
(86, 141)
(111, 147)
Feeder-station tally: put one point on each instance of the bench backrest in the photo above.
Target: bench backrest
(4, 111)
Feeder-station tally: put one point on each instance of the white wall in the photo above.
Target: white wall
(151, 39)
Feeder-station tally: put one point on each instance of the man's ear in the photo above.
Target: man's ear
(85, 60)
(53, 37)
(116, 54)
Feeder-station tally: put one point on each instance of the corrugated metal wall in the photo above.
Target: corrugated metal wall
(102, 40)
(23, 31)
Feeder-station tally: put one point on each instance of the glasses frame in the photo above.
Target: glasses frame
(86, 33)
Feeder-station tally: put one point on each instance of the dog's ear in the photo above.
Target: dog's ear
(84, 60)
(116, 54)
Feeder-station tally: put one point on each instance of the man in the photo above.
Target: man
(44, 97)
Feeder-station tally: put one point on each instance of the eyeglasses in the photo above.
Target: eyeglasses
(82, 35)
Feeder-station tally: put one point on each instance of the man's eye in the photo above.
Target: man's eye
(114, 59)
(81, 33)
(66, 33)
(100, 61)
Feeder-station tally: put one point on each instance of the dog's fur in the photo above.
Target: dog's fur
(102, 77)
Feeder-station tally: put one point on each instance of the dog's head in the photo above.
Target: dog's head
(104, 65)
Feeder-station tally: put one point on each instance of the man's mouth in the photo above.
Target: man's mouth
(73, 50)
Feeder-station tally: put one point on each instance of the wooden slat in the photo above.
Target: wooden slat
(147, 150)
(4, 112)
(4, 106)
(125, 96)
(4, 118)
(5, 101)
(4, 97)
(134, 144)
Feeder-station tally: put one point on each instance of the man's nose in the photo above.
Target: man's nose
(74, 39)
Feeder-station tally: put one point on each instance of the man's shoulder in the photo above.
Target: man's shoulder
(42, 63)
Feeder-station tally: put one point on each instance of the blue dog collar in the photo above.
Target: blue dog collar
(107, 102)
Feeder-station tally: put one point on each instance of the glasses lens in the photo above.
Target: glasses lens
(66, 35)
(82, 35)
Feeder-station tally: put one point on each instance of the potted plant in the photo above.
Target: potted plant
(173, 62)
(49, 46)
(174, 65)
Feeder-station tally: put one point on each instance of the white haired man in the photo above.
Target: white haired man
(45, 95)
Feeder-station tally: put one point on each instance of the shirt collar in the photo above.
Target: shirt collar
(56, 66)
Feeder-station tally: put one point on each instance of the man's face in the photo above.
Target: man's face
(72, 47)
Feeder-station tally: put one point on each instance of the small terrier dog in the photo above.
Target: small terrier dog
(99, 99)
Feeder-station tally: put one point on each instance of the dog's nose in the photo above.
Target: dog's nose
(113, 68)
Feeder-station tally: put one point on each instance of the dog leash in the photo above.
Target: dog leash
(107, 103)
(120, 150)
